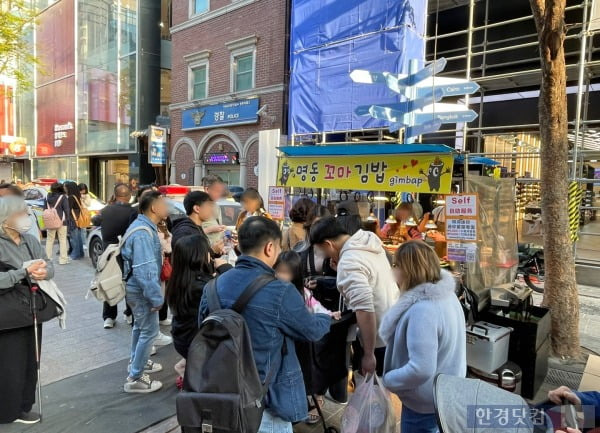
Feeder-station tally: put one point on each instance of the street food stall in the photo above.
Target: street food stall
(470, 222)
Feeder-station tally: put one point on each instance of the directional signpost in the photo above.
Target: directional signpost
(420, 111)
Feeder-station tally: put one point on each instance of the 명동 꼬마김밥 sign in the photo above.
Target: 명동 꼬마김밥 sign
(425, 173)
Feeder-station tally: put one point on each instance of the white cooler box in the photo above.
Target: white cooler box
(487, 346)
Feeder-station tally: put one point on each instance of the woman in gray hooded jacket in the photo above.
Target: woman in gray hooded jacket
(18, 377)
(424, 333)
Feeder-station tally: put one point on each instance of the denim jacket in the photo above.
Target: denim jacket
(276, 315)
(142, 261)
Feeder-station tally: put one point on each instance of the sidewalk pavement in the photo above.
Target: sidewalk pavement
(85, 345)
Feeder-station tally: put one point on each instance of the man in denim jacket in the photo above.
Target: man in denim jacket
(142, 263)
(275, 316)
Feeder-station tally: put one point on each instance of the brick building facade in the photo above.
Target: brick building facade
(228, 68)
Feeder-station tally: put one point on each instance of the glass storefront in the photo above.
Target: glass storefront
(231, 176)
(107, 70)
(56, 168)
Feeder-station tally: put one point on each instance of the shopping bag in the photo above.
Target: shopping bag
(370, 409)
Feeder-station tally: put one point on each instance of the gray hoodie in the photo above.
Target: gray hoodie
(364, 276)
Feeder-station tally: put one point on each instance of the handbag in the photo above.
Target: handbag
(16, 306)
(167, 269)
(84, 219)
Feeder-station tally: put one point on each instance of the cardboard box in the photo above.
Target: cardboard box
(591, 375)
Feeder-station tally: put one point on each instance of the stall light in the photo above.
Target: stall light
(380, 198)
(431, 225)
(440, 202)
(391, 219)
(371, 217)
(411, 222)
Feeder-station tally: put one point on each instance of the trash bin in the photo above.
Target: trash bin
(508, 377)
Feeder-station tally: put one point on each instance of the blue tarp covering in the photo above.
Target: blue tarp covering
(364, 149)
(329, 39)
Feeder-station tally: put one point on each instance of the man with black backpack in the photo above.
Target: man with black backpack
(274, 314)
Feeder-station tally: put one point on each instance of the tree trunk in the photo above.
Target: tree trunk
(560, 292)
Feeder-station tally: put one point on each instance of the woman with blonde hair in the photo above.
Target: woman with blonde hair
(424, 332)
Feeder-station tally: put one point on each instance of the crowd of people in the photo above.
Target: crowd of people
(326, 269)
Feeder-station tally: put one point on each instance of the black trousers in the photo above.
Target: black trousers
(18, 372)
(163, 313)
(109, 312)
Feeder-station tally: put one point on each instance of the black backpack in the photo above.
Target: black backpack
(222, 390)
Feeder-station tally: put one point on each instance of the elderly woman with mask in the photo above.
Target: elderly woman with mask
(18, 375)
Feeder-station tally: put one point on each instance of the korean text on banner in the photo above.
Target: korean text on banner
(158, 146)
(422, 173)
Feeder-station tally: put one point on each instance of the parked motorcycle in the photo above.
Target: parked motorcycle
(531, 266)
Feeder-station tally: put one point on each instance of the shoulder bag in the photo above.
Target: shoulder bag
(16, 306)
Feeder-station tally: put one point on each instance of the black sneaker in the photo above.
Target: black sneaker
(28, 418)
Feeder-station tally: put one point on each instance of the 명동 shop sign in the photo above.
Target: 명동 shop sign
(425, 173)
(240, 112)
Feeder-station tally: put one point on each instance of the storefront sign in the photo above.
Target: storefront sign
(423, 173)
(56, 124)
(462, 252)
(211, 116)
(461, 205)
(61, 133)
(276, 207)
(18, 147)
(223, 158)
(157, 153)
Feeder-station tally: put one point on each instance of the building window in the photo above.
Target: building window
(199, 82)
(200, 6)
(198, 73)
(243, 66)
(243, 63)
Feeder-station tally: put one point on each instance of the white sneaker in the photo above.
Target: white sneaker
(143, 385)
(109, 323)
(166, 322)
(153, 351)
(128, 318)
(162, 340)
(151, 367)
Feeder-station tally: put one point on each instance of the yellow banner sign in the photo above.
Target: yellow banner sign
(425, 172)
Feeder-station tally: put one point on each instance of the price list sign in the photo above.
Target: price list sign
(462, 227)
(276, 206)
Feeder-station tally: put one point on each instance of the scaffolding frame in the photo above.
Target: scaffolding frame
(580, 72)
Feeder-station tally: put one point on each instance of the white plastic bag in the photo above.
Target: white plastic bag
(370, 409)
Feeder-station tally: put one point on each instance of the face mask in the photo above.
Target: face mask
(22, 224)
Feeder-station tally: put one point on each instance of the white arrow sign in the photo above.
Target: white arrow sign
(448, 86)
(445, 113)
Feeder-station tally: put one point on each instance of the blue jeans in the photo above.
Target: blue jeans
(76, 239)
(145, 330)
(272, 424)
(414, 422)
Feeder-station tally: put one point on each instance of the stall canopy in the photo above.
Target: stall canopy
(460, 159)
(364, 149)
